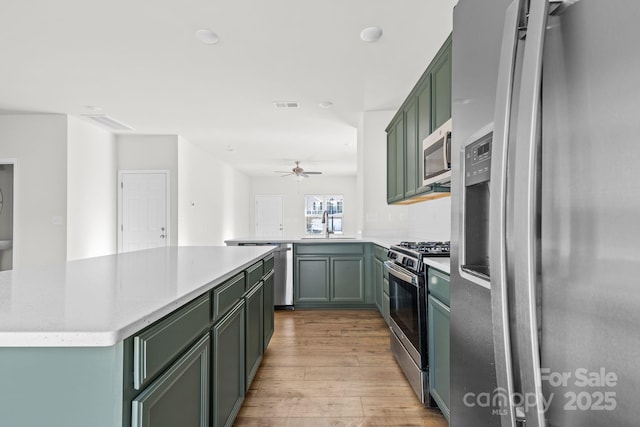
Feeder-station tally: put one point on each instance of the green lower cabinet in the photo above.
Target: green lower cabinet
(325, 281)
(180, 396)
(347, 279)
(378, 271)
(439, 367)
(254, 335)
(312, 279)
(385, 308)
(268, 321)
(228, 366)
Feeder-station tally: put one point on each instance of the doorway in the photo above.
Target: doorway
(7, 188)
(143, 210)
(269, 221)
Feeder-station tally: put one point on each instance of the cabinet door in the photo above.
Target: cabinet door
(441, 87)
(378, 279)
(312, 278)
(400, 160)
(395, 161)
(347, 279)
(411, 149)
(180, 396)
(439, 353)
(268, 323)
(391, 165)
(254, 310)
(228, 366)
(424, 128)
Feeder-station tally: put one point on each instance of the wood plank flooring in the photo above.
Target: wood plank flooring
(332, 368)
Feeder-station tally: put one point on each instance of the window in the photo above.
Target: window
(315, 207)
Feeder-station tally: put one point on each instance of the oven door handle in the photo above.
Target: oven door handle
(400, 273)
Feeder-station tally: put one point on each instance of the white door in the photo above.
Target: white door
(269, 217)
(143, 215)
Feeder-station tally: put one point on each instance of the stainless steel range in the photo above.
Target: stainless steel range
(408, 309)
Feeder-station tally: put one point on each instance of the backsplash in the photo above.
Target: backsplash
(431, 221)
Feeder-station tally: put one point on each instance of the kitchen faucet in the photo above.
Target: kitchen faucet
(325, 220)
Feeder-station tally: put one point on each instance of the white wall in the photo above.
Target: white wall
(153, 152)
(293, 193)
(213, 198)
(39, 145)
(91, 190)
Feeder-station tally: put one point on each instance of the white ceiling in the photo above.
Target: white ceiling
(139, 61)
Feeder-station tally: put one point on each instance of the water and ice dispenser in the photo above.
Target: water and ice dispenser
(477, 173)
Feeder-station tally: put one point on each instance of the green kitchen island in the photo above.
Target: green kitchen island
(163, 337)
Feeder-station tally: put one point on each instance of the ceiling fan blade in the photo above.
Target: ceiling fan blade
(282, 172)
(286, 174)
(313, 173)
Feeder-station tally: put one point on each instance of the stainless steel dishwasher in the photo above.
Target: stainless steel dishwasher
(282, 273)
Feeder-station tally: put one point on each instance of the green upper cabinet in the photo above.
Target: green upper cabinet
(441, 83)
(411, 148)
(395, 161)
(423, 102)
(426, 108)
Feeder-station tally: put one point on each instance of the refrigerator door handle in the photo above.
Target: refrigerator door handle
(497, 218)
(525, 217)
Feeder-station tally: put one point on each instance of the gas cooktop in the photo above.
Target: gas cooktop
(427, 249)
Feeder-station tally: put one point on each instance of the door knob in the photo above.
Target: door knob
(162, 236)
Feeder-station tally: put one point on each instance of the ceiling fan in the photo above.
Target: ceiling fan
(298, 172)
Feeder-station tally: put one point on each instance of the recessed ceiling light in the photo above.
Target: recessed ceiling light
(207, 36)
(325, 104)
(286, 104)
(371, 34)
(107, 121)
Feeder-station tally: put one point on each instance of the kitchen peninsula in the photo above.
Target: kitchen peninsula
(88, 342)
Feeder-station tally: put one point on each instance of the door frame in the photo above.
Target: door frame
(167, 174)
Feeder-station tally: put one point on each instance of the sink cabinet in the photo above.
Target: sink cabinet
(333, 275)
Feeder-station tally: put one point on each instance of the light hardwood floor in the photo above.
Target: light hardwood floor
(332, 368)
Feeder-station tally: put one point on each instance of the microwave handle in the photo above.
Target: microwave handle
(447, 150)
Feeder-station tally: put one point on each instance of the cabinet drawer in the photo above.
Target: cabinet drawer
(439, 285)
(268, 264)
(227, 294)
(254, 274)
(180, 395)
(380, 252)
(330, 249)
(157, 346)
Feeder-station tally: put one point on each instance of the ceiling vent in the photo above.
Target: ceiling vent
(107, 121)
(286, 104)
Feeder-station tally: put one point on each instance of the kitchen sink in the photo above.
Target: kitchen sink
(328, 238)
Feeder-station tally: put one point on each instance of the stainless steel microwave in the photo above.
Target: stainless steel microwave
(436, 154)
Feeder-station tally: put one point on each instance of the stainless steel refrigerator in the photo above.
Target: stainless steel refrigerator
(545, 273)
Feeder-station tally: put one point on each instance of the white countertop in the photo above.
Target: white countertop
(381, 241)
(440, 263)
(100, 301)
